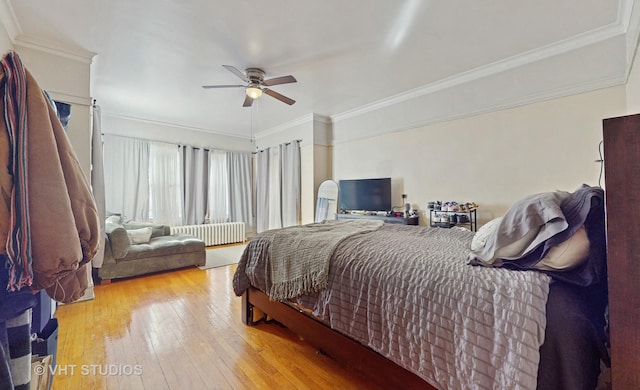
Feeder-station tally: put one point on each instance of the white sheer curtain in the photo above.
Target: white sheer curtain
(275, 195)
(195, 183)
(241, 189)
(126, 176)
(165, 205)
(262, 191)
(278, 187)
(290, 189)
(218, 187)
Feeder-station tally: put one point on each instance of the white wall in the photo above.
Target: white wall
(493, 159)
(66, 78)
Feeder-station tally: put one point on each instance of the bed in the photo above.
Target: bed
(417, 308)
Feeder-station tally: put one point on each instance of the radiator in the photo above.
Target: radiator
(214, 233)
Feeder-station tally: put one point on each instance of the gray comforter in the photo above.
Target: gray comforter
(408, 293)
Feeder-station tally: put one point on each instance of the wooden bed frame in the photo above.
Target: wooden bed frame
(349, 353)
(622, 171)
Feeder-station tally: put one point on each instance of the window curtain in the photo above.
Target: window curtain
(278, 187)
(97, 178)
(240, 188)
(262, 191)
(165, 204)
(274, 199)
(127, 177)
(179, 185)
(218, 187)
(290, 183)
(195, 182)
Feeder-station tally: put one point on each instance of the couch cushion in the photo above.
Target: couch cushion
(165, 246)
(118, 240)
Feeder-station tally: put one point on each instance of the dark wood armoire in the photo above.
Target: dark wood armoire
(621, 141)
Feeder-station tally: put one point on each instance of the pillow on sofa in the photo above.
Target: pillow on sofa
(116, 219)
(140, 236)
(157, 230)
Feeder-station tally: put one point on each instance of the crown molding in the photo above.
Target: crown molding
(286, 126)
(65, 97)
(629, 18)
(504, 105)
(9, 20)
(551, 50)
(58, 49)
(179, 126)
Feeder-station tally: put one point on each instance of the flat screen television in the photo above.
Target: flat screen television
(365, 194)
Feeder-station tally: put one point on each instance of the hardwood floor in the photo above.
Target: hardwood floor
(182, 330)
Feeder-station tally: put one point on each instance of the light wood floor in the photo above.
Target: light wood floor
(182, 330)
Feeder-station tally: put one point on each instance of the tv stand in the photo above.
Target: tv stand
(398, 220)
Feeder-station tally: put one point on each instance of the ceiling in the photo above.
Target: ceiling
(153, 56)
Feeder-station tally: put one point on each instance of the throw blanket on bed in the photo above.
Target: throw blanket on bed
(300, 255)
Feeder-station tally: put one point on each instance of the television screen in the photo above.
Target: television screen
(365, 194)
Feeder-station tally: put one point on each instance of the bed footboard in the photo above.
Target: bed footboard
(256, 305)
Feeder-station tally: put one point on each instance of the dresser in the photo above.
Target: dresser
(621, 142)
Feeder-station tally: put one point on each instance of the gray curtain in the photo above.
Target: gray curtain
(195, 182)
(127, 177)
(97, 178)
(290, 186)
(240, 188)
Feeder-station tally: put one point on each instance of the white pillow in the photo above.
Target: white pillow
(140, 236)
(114, 219)
(480, 238)
(568, 254)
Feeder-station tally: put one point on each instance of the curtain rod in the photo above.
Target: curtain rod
(286, 143)
(177, 145)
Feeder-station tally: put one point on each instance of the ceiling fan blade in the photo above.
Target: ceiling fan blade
(279, 80)
(235, 71)
(222, 86)
(247, 102)
(278, 96)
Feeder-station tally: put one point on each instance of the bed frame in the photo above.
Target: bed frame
(256, 305)
(622, 170)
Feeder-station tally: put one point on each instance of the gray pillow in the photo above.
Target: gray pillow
(527, 224)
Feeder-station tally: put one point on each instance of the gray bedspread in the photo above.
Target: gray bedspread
(408, 293)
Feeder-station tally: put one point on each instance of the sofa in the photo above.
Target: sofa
(133, 249)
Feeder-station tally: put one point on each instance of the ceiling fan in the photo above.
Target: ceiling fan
(254, 77)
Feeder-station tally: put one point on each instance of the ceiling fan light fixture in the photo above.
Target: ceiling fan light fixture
(253, 91)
